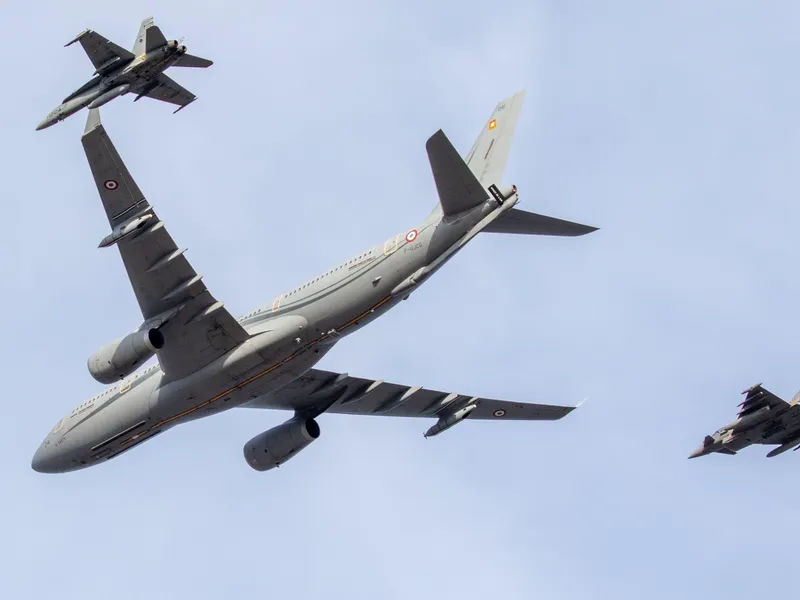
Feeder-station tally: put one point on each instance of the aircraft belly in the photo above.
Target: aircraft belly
(362, 300)
(184, 401)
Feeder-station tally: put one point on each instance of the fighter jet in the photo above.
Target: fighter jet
(119, 72)
(209, 361)
(763, 419)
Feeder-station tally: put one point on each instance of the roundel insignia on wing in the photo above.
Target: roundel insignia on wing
(499, 413)
(110, 184)
(411, 235)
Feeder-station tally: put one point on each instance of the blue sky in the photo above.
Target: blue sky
(671, 125)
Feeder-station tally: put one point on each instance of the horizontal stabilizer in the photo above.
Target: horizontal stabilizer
(459, 189)
(189, 60)
(528, 223)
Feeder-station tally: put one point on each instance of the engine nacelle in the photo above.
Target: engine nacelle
(120, 358)
(172, 44)
(277, 445)
(182, 49)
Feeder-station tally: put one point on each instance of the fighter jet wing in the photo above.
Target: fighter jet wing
(196, 327)
(102, 52)
(318, 391)
(167, 90)
(757, 397)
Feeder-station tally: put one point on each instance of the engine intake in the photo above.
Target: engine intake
(120, 358)
(277, 445)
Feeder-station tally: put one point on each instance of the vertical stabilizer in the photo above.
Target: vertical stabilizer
(149, 38)
(488, 156)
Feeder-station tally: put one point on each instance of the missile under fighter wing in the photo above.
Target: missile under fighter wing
(763, 419)
(118, 72)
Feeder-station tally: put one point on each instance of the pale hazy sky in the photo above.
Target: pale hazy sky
(672, 125)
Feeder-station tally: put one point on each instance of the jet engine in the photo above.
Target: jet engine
(277, 445)
(182, 49)
(172, 44)
(120, 358)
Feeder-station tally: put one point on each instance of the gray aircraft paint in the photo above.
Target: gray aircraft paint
(763, 419)
(286, 338)
(140, 71)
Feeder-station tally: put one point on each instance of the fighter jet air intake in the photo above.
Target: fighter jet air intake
(208, 361)
(118, 72)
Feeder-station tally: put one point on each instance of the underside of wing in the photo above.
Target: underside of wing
(195, 62)
(168, 90)
(758, 397)
(196, 327)
(102, 52)
(318, 391)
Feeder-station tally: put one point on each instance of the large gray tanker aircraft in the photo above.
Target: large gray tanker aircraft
(209, 361)
(118, 72)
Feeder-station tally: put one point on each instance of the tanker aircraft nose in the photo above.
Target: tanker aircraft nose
(47, 459)
(56, 452)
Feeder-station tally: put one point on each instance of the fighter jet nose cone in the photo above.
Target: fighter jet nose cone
(700, 451)
(44, 124)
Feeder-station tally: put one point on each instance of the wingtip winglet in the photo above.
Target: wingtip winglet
(92, 121)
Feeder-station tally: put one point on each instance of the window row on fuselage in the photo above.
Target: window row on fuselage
(340, 272)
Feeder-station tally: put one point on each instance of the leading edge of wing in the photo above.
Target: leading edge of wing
(360, 396)
(164, 282)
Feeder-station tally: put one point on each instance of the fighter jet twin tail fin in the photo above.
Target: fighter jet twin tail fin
(463, 184)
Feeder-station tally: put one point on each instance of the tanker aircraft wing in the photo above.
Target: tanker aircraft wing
(196, 327)
(320, 391)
